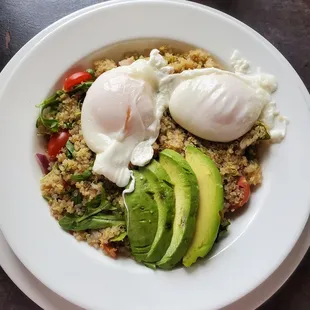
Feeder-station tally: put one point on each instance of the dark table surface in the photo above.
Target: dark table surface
(285, 23)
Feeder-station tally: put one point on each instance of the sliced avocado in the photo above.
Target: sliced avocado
(186, 205)
(211, 201)
(164, 197)
(141, 217)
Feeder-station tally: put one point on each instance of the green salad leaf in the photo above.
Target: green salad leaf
(76, 197)
(119, 238)
(94, 217)
(83, 87)
(81, 177)
(90, 211)
(51, 103)
(70, 149)
(99, 221)
(91, 72)
(68, 125)
(95, 203)
(223, 229)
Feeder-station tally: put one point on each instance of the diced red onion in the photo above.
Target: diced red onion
(43, 162)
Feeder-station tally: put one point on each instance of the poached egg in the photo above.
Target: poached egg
(218, 105)
(121, 116)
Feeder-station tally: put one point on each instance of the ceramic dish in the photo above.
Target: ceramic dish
(26, 233)
(48, 300)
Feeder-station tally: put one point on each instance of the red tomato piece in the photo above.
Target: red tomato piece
(110, 251)
(75, 79)
(245, 186)
(56, 143)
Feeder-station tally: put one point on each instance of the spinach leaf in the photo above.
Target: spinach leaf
(119, 238)
(94, 203)
(76, 197)
(81, 177)
(223, 229)
(70, 149)
(83, 87)
(50, 124)
(101, 201)
(95, 216)
(51, 102)
(91, 72)
(99, 221)
(90, 211)
(60, 92)
(68, 125)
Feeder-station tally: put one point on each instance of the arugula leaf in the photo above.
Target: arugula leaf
(81, 177)
(119, 238)
(60, 92)
(76, 197)
(224, 224)
(94, 203)
(68, 125)
(90, 211)
(70, 222)
(101, 221)
(51, 124)
(70, 149)
(223, 229)
(83, 87)
(91, 72)
(94, 216)
(51, 102)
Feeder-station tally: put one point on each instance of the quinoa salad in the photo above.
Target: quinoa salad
(93, 208)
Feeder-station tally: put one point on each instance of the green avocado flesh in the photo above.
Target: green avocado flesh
(186, 205)
(211, 201)
(141, 217)
(164, 197)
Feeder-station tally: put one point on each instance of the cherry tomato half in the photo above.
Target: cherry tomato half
(75, 79)
(110, 251)
(56, 143)
(245, 186)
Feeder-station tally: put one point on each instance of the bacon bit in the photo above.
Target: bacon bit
(110, 251)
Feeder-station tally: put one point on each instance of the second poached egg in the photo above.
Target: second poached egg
(218, 105)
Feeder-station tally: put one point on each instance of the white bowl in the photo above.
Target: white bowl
(259, 240)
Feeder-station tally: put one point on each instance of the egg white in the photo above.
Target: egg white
(121, 116)
(217, 105)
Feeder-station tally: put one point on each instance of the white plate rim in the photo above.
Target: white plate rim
(48, 300)
(302, 86)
